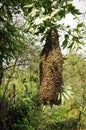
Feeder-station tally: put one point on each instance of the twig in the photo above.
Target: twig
(14, 66)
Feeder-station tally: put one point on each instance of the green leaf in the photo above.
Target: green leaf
(61, 13)
(65, 95)
(66, 36)
(70, 45)
(80, 25)
(72, 9)
(65, 42)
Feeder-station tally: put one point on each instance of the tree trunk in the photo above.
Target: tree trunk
(1, 72)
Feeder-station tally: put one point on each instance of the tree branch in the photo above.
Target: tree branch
(15, 66)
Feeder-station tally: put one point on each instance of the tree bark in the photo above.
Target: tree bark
(1, 72)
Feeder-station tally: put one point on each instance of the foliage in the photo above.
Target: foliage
(44, 15)
(23, 112)
(11, 39)
(32, 115)
(75, 67)
(19, 59)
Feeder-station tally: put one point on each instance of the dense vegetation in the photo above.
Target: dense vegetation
(20, 35)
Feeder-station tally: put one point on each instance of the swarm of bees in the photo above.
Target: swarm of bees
(51, 80)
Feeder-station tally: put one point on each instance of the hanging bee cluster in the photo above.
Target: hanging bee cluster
(51, 80)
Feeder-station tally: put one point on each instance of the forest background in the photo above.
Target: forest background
(24, 25)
